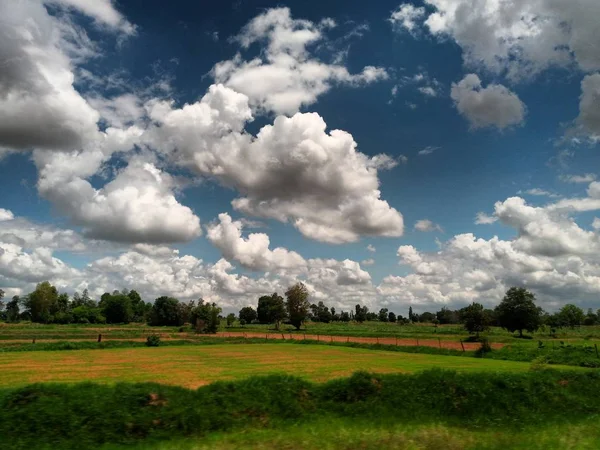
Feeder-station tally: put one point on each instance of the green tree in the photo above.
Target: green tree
(474, 318)
(518, 312)
(116, 308)
(383, 315)
(12, 309)
(230, 319)
(344, 316)
(297, 304)
(166, 311)
(205, 317)
(591, 318)
(360, 313)
(248, 314)
(426, 317)
(571, 316)
(391, 317)
(271, 309)
(41, 302)
(447, 316)
(411, 316)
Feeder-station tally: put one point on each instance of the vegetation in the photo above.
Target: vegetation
(474, 318)
(518, 312)
(297, 304)
(88, 415)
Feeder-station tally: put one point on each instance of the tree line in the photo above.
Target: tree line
(516, 312)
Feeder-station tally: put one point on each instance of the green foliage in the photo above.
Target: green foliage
(571, 316)
(271, 309)
(42, 302)
(297, 304)
(518, 312)
(153, 340)
(117, 308)
(166, 311)
(12, 309)
(230, 319)
(383, 315)
(360, 313)
(87, 415)
(474, 318)
(205, 317)
(247, 314)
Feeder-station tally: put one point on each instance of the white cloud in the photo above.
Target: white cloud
(368, 262)
(586, 178)
(596, 223)
(521, 38)
(494, 105)
(589, 111)
(406, 16)
(286, 77)
(428, 150)
(428, 91)
(293, 170)
(540, 193)
(371, 248)
(426, 226)
(103, 11)
(6, 214)
(252, 252)
(483, 219)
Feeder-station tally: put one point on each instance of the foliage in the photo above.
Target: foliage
(383, 315)
(116, 308)
(153, 340)
(571, 316)
(88, 415)
(205, 317)
(271, 309)
(230, 319)
(297, 304)
(42, 302)
(360, 313)
(166, 311)
(474, 318)
(518, 312)
(247, 314)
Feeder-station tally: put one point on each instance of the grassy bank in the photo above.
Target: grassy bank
(88, 415)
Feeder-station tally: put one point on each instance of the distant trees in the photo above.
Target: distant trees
(205, 317)
(571, 316)
(360, 313)
(518, 312)
(116, 308)
(230, 319)
(383, 315)
(247, 314)
(271, 309)
(166, 311)
(297, 304)
(391, 317)
(42, 302)
(474, 318)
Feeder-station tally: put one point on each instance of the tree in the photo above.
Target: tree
(411, 316)
(344, 316)
(571, 316)
(446, 316)
(474, 319)
(205, 317)
(297, 304)
(141, 309)
(247, 314)
(323, 313)
(591, 318)
(391, 317)
(271, 309)
(426, 317)
(116, 308)
(230, 319)
(12, 309)
(383, 315)
(166, 311)
(360, 313)
(518, 312)
(41, 302)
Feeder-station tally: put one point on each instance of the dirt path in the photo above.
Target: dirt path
(285, 336)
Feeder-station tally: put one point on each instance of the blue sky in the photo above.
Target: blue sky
(501, 119)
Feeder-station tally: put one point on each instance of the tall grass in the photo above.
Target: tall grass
(87, 415)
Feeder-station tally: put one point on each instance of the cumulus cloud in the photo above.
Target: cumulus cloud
(292, 170)
(371, 248)
(6, 215)
(252, 252)
(589, 111)
(426, 226)
(368, 262)
(492, 106)
(521, 38)
(406, 16)
(286, 77)
(137, 206)
(102, 11)
(483, 219)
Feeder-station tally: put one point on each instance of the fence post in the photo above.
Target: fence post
(440, 342)
(348, 339)
(282, 336)
(317, 337)
(377, 339)
(462, 345)
(266, 336)
(304, 336)
(99, 337)
(331, 339)
(417, 342)
(596, 347)
(33, 341)
(396, 341)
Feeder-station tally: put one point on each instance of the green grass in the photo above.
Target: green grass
(193, 366)
(382, 411)
(340, 434)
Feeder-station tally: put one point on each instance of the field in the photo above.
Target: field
(204, 392)
(199, 365)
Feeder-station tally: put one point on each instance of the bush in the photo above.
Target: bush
(153, 340)
(484, 348)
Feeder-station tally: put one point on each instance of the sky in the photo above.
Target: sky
(426, 154)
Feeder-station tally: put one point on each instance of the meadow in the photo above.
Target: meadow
(233, 390)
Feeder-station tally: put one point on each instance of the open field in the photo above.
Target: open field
(193, 366)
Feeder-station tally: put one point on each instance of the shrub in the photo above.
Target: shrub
(484, 348)
(153, 340)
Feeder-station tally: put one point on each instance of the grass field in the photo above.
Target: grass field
(193, 366)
